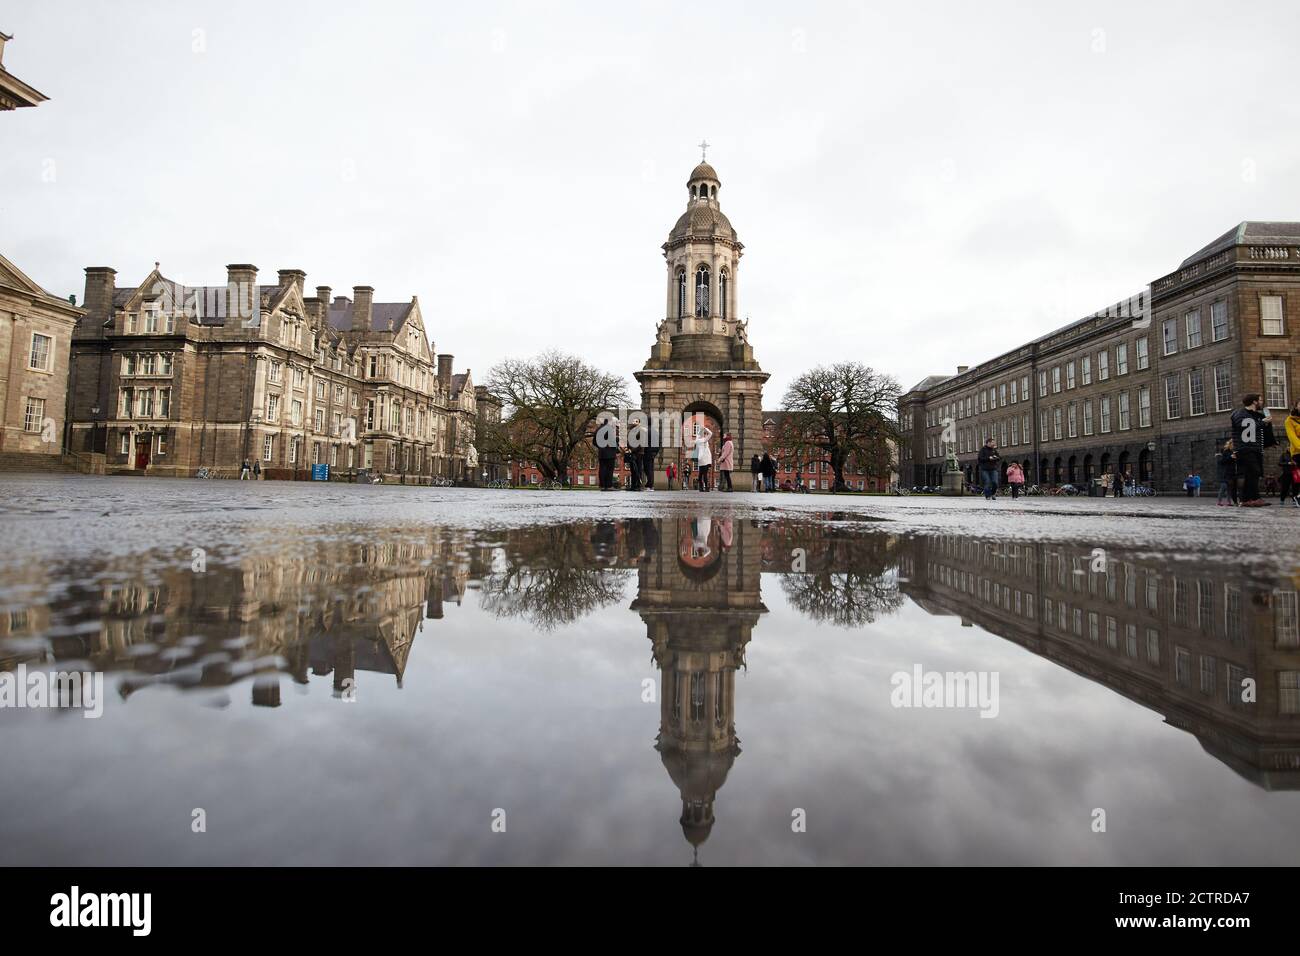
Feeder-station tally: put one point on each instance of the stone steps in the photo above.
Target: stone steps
(34, 461)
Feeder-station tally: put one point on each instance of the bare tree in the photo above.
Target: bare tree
(548, 406)
(837, 412)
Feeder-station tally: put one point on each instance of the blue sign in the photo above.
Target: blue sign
(320, 472)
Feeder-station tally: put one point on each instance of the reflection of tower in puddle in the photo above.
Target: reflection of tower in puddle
(698, 593)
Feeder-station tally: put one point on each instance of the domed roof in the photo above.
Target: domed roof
(703, 171)
(703, 220)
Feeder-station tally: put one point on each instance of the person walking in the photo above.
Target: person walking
(1188, 485)
(1252, 432)
(257, 469)
(703, 455)
(989, 464)
(1117, 482)
(245, 471)
(670, 472)
(768, 468)
(1225, 466)
(726, 462)
(1015, 478)
(755, 474)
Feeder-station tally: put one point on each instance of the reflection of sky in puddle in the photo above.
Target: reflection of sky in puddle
(507, 669)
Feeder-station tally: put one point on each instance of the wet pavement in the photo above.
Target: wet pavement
(338, 674)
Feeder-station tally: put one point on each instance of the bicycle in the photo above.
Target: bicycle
(440, 482)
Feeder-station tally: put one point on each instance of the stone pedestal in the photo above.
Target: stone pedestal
(954, 483)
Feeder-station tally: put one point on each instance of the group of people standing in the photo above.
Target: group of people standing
(1242, 457)
(640, 464)
(698, 471)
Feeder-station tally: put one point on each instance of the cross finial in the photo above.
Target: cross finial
(704, 148)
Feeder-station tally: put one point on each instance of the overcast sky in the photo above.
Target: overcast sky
(917, 186)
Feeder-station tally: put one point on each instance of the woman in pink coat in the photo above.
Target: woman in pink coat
(726, 462)
(1015, 478)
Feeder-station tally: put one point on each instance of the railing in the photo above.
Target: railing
(1271, 252)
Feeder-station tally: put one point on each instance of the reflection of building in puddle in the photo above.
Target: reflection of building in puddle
(334, 609)
(698, 594)
(1179, 638)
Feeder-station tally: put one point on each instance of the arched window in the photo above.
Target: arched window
(722, 294)
(692, 192)
(702, 292)
(681, 293)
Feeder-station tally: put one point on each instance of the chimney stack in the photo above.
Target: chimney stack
(98, 300)
(963, 369)
(363, 311)
(242, 301)
(323, 297)
(444, 369)
(293, 277)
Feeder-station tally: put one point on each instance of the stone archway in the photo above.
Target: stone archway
(684, 452)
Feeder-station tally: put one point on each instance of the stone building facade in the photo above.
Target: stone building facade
(1144, 387)
(702, 360)
(35, 332)
(168, 379)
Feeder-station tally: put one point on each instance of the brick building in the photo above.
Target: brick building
(1144, 387)
(817, 475)
(169, 379)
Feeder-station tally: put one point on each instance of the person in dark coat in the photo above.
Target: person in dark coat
(768, 467)
(649, 456)
(990, 463)
(1225, 466)
(755, 474)
(1252, 432)
(632, 459)
(606, 457)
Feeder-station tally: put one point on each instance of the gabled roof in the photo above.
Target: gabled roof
(14, 278)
